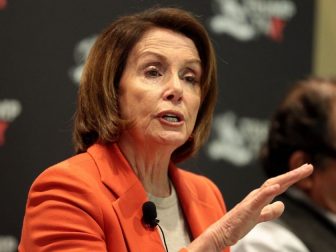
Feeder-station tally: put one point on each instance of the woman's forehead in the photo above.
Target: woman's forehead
(161, 41)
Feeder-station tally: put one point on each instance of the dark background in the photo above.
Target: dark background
(37, 52)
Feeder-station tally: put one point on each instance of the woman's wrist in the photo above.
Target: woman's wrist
(207, 242)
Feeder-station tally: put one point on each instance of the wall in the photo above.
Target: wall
(325, 38)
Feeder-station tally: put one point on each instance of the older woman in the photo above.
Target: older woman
(145, 103)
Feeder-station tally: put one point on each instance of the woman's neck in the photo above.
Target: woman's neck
(150, 164)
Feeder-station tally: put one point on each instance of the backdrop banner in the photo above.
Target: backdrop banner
(262, 47)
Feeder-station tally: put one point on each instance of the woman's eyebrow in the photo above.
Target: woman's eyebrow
(150, 53)
(194, 62)
(164, 58)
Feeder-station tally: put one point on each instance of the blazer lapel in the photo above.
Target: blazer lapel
(197, 213)
(129, 211)
(119, 177)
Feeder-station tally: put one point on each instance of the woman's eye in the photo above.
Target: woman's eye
(190, 78)
(152, 73)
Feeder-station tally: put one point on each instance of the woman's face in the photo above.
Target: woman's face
(160, 88)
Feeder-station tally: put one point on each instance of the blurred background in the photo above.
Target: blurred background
(262, 47)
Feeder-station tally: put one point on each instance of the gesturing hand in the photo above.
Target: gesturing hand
(256, 207)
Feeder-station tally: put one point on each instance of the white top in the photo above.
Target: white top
(171, 221)
(273, 236)
(270, 236)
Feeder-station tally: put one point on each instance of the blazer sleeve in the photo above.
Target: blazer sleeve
(62, 214)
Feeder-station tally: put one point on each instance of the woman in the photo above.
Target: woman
(145, 103)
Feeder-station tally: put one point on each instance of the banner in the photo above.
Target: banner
(262, 47)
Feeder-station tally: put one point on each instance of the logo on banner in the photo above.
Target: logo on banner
(3, 4)
(237, 140)
(81, 53)
(246, 20)
(9, 110)
(8, 243)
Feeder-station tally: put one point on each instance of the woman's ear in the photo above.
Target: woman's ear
(297, 159)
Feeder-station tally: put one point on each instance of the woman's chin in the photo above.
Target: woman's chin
(173, 140)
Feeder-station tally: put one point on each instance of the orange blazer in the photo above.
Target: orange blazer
(93, 202)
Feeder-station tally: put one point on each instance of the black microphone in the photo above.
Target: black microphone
(149, 218)
(149, 214)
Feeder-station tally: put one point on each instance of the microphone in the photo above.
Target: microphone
(149, 218)
(149, 214)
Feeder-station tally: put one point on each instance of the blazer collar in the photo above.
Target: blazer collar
(119, 177)
(115, 171)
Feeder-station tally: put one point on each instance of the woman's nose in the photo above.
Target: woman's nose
(174, 91)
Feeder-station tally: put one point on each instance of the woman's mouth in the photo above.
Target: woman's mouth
(171, 118)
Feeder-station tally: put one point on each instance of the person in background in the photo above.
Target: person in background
(145, 103)
(302, 130)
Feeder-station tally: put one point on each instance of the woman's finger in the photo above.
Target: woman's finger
(287, 179)
(271, 211)
(262, 197)
(284, 181)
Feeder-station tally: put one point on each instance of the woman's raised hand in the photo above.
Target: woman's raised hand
(256, 207)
